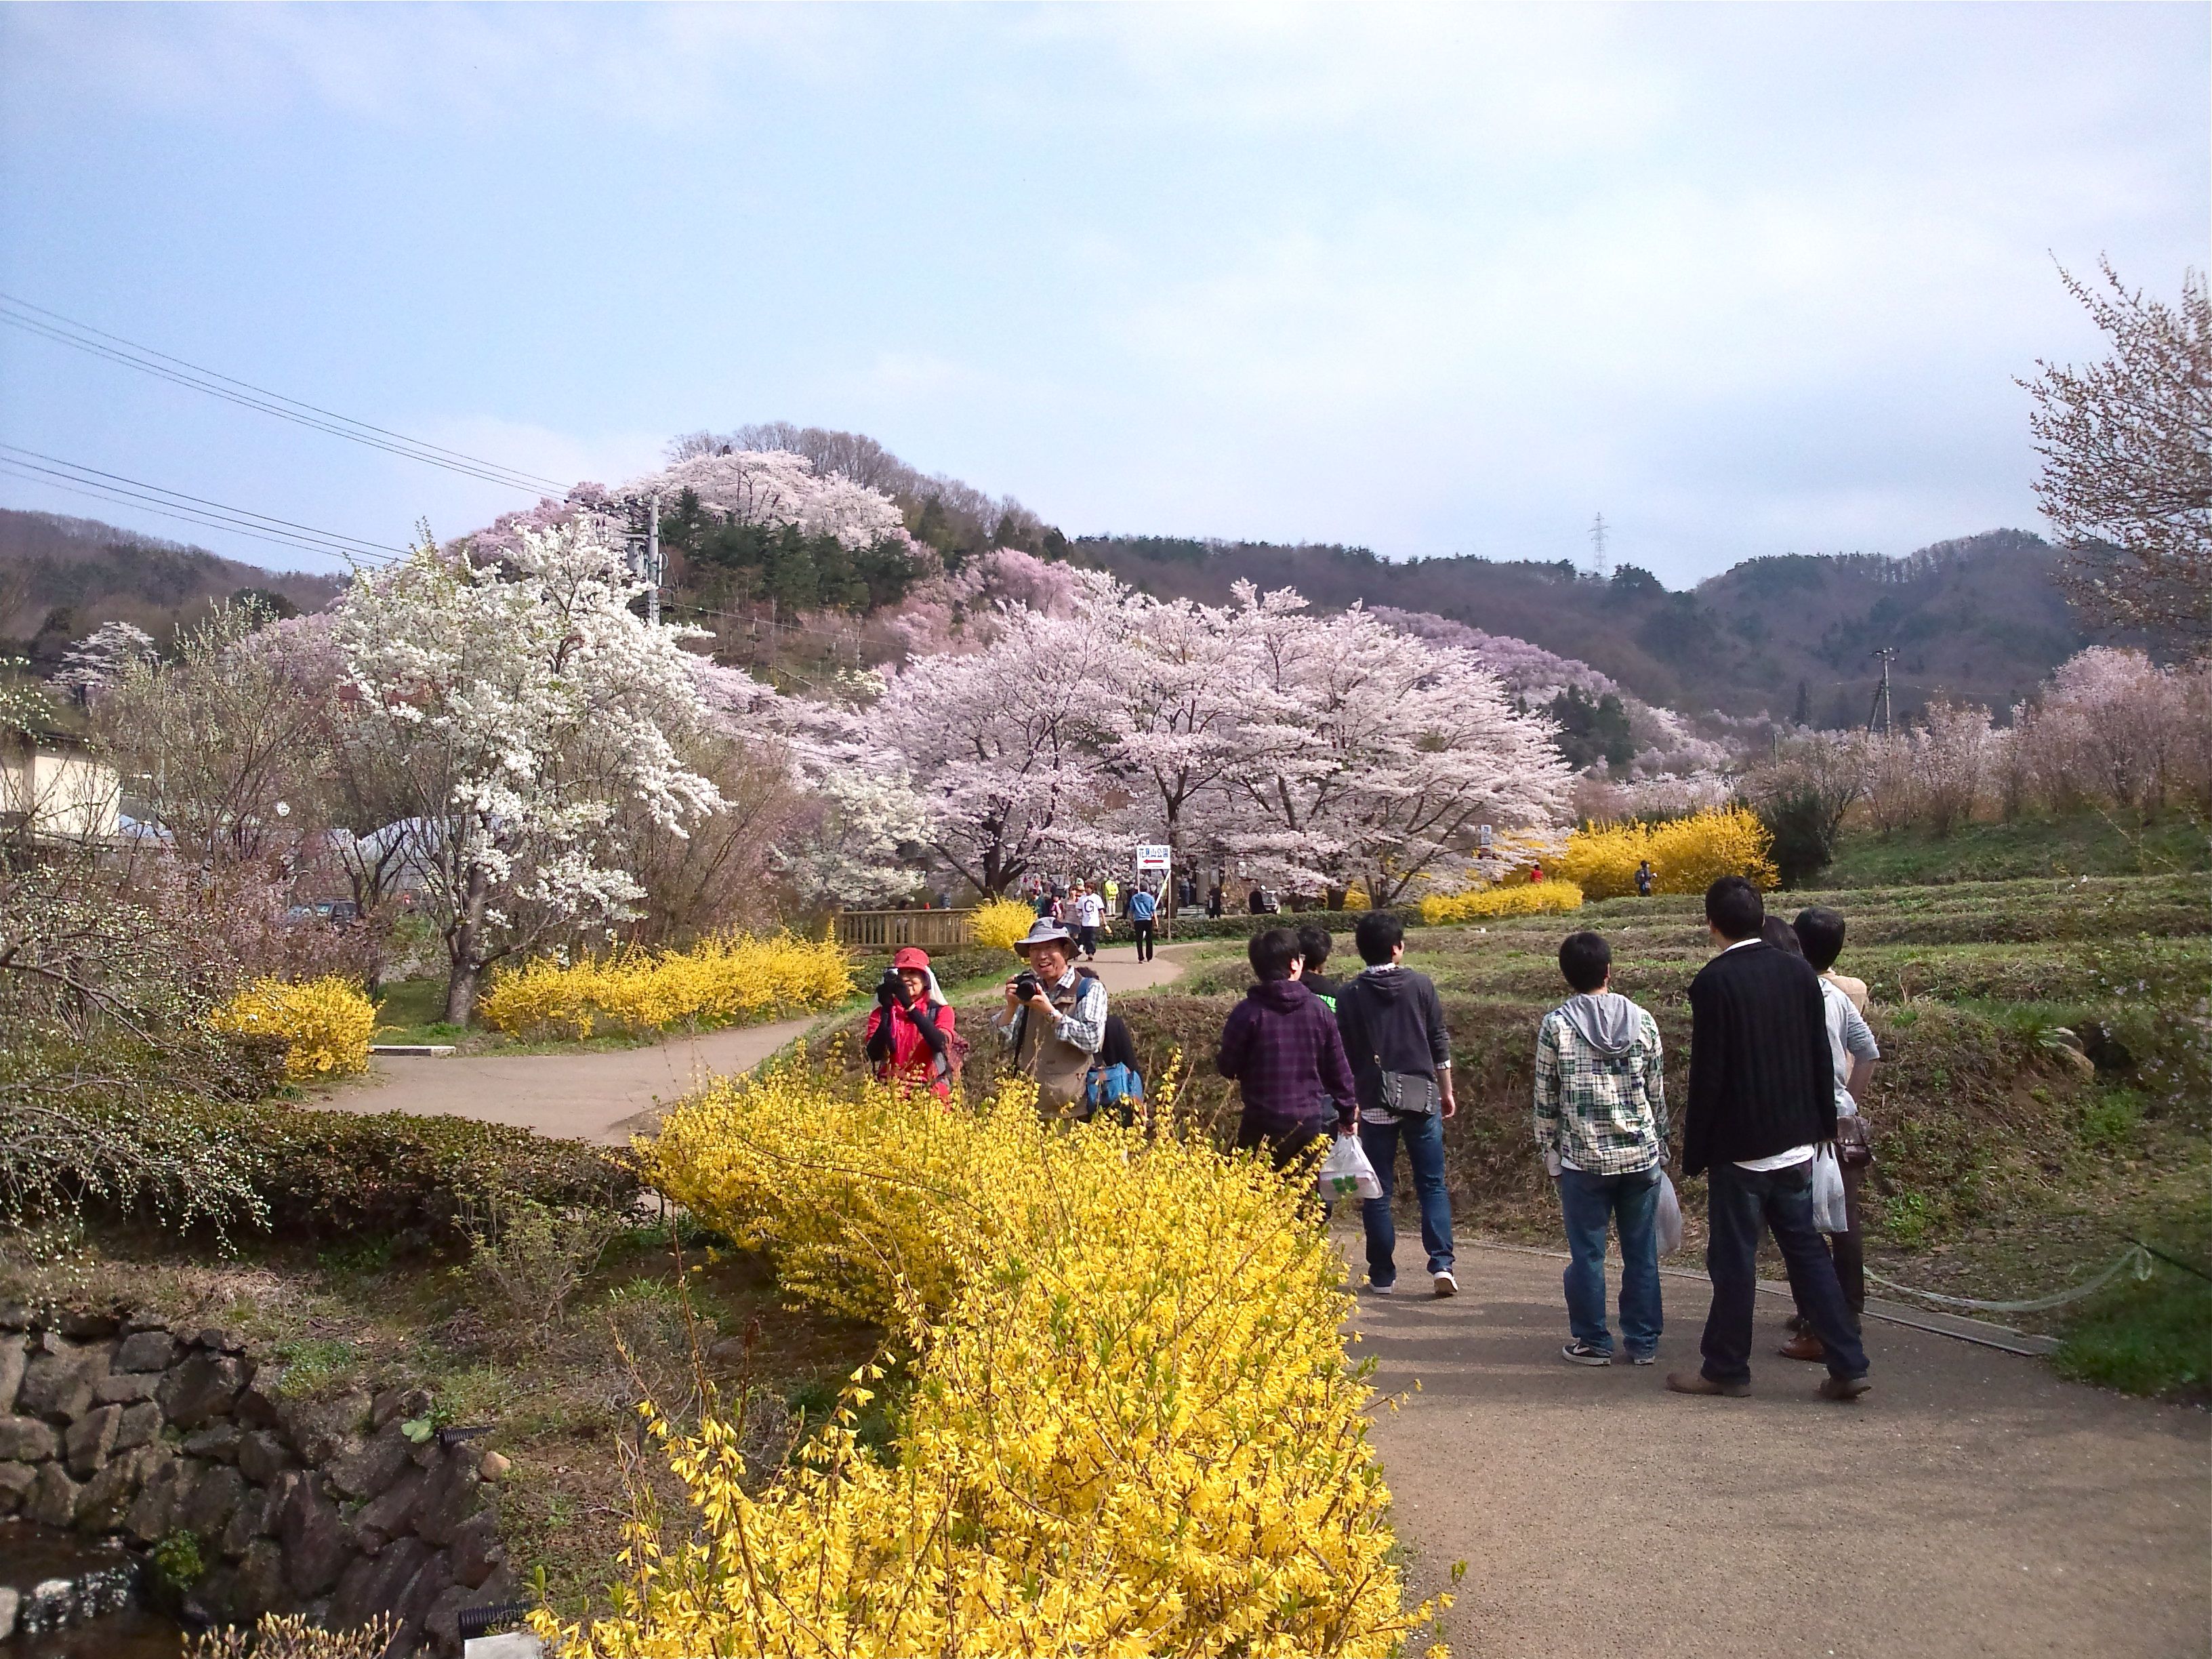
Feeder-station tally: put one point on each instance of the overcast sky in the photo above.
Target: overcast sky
(1443, 279)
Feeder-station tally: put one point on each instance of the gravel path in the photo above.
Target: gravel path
(608, 1096)
(1973, 1503)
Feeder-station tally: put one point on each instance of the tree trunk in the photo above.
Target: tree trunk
(466, 967)
(461, 992)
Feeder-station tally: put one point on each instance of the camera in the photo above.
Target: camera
(1026, 986)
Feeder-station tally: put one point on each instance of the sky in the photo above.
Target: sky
(1430, 280)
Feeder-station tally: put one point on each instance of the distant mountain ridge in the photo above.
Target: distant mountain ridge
(60, 578)
(1980, 617)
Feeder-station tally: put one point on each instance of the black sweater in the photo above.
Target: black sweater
(1391, 1020)
(1760, 1078)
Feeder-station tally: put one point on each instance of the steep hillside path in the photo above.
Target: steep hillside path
(1973, 1503)
(610, 1095)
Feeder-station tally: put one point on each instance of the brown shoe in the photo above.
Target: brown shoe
(1844, 1389)
(1804, 1347)
(1698, 1383)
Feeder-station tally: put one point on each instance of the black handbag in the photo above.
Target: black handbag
(1853, 1150)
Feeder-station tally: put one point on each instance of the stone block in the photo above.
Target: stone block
(52, 1500)
(144, 1319)
(200, 1389)
(431, 1581)
(475, 1549)
(142, 1422)
(218, 1443)
(14, 1316)
(11, 1603)
(316, 1547)
(263, 1456)
(325, 1430)
(150, 1515)
(375, 1584)
(391, 1511)
(455, 1492)
(146, 1351)
(12, 1361)
(215, 1500)
(373, 1465)
(260, 1583)
(89, 1326)
(15, 1482)
(58, 1382)
(124, 1388)
(106, 1503)
(252, 1519)
(90, 1439)
(219, 1341)
(397, 1403)
(264, 1399)
(27, 1440)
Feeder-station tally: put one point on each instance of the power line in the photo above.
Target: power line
(113, 347)
(56, 473)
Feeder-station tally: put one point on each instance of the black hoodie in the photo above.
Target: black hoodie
(1392, 1021)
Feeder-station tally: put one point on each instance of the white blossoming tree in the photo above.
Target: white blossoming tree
(509, 713)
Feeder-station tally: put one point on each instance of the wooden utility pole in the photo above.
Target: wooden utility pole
(1878, 714)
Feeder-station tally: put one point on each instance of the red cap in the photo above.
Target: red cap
(912, 957)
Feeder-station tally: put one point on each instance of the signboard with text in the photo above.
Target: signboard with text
(1152, 858)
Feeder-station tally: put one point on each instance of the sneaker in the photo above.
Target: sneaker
(1844, 1387)
(1447, 1286)
(1643, 1358)
(1698, 1383)
(1581, 1353)
(1374, 1289)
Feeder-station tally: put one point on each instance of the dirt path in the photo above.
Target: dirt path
(608, 1096)
(1973, 1503)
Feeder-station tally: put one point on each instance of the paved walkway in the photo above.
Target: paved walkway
(1973, 1503)
(608, 1095)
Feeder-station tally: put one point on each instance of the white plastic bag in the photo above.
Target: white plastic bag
(1829, 1214)
(1345, 1172)
(1667, 1225)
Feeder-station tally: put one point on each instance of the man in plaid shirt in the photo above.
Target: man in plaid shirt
(1602, 1125)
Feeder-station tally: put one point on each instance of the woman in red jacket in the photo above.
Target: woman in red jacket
(910, 1029)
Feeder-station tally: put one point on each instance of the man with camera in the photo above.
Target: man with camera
(1054, 1020)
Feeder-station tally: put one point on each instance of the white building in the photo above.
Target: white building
(51, 784)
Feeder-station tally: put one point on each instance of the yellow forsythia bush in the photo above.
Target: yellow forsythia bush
(997, 925)
(1527, 899)
(1131, 1427)
(326, 1023)
(1687, 855)
(728, 979)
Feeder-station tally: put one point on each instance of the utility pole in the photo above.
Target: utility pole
(1597, 548)
(653, 562)
(1880, 713)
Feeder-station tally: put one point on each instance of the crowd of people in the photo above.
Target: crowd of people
(1779, 1052)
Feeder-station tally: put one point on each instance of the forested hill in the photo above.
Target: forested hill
(1980, 617)
(60, 578)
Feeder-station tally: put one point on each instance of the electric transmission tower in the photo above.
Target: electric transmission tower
(1598, 560)
(1878, 714)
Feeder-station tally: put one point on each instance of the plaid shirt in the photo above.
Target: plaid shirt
(1606, 1114)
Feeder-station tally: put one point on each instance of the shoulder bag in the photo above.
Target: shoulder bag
(1406, 1093)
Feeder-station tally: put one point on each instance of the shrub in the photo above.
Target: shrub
(1132, 1427)
(1687, 855)
(325, 1024)
(1527, 899)
(999, 923)
(729, 979)
(288, 1636)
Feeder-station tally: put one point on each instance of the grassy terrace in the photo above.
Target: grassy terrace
(2010, 1165)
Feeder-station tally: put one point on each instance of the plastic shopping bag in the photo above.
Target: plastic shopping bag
(1666, 1225)
(1828, 1211)
(1345, 1172)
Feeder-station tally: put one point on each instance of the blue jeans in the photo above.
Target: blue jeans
(1630, 1202)
(1423, 1138)
(1740, 1204)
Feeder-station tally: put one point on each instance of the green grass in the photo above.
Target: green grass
(2087, 844)
(2152, 1337)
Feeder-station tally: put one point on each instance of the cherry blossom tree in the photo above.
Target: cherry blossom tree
(515, 711)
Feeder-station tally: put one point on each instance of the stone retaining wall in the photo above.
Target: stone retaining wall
(117, 1425)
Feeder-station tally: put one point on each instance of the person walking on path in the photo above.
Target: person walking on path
(1143, 909)
(1392, 1026)
(1762, 1098)
(1644, 878)
(1315, 944)
(910, 1034)
(1602, 1125)
(1852, 1053)
(1054, 1020)
(1090, 917)
(1281, 1047)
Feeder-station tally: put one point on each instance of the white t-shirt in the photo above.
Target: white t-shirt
(1090, 911)
(1848, 1039)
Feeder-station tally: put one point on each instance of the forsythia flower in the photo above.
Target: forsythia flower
(728, 979)
(999, 923)
(326, 1023)
(1132, 1427)
(1687, 855)
(1525, 899)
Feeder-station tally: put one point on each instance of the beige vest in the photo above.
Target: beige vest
(1060, 1067)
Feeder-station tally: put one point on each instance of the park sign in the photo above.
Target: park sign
(1151, 858)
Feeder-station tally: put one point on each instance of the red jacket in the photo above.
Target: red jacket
(911, 1062)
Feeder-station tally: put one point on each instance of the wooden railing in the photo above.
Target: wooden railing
(889, 929)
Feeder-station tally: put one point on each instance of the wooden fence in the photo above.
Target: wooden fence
(889, 929)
